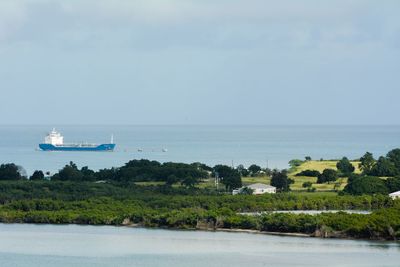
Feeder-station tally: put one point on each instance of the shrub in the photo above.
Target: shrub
(328, 175)
(393, 184)
(309, 173)
(10, 172)
(366, 185)
(345, 166)
(37, 175)
(280, 180)
(295, 163)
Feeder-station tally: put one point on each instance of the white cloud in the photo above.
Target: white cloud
(12, 17)
(241, 10)
(221, 23)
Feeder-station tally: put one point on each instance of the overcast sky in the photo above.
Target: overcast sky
(199, 62)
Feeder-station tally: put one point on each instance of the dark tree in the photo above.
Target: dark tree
(384, 168)
(308, 158)
(10, 171)
(189, 181)
(201, 166)
(254, 169)
(352, 177)
(345, 166)
(268, 171)
(246, 191)
(145, 170)
(88, 174)
(37, 176)
(307, 184)
(309, 173)
(142, 163)
(393, 184)
(366, 163)
(366, 185)
(106, 174)
(328, 175)
(280, 180)
(69, 173)
(229, 177)
(242, 170)
(394, 157)
(295, 163)
(171, 179)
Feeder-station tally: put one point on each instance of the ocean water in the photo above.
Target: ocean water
(23, 245)
(271, 146)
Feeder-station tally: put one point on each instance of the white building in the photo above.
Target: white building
(395, 195)
(258, 189)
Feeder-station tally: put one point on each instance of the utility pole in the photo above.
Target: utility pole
(216, 180)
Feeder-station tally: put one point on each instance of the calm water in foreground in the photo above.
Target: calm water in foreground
(24, 245)
(208, 144)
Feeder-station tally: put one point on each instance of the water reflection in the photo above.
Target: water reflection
(72, 245)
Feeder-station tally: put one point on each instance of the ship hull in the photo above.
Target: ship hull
(99, 148)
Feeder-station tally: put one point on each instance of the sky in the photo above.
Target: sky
(256, 62)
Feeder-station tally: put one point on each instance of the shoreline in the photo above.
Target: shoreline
(248, 231)
(252, 231)
(226, 230)
(336, 235)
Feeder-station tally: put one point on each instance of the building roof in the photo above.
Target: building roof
(397, 193)
(260, 186)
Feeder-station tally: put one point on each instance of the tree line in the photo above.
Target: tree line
(380, 176)
(187, 175)
(152, 206)
(369, 181)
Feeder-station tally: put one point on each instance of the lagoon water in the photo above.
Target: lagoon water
(23, 245)
(264, 145)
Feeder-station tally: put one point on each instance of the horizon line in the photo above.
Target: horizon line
(197, 125)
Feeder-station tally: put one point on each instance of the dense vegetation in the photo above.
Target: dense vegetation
(10, 172)
(388, 166)
(137, 171)
(280, 180)
(361, 184)
(380, 176)
(154, 194)
(163, 206)
(345, 167)
(328, 175)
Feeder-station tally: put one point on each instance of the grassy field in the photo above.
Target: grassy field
(322, 165)
(298, 180)
(149, 183)
(319, 166)
(254, 180)
(210, 183)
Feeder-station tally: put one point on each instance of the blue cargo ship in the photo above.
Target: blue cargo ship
(54, 141)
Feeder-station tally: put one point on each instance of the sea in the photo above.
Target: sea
(27, 245)
(267, 146)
